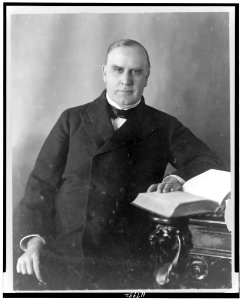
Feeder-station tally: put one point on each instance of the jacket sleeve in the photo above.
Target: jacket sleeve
(188, 154)
(37, 206)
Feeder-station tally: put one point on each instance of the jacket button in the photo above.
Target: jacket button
(111, 221)
(95, 158)
(92, 186)
(122, 189)
(131, 162)
(88, 217)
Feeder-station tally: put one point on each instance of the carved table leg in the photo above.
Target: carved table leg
(169, 240)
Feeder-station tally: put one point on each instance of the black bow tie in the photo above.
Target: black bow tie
(121, 113)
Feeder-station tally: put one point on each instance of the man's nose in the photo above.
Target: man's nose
(126, 78)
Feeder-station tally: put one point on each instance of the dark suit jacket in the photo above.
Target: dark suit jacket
(79, 192)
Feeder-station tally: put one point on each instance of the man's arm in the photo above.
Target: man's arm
(189, 155)
(37, 206)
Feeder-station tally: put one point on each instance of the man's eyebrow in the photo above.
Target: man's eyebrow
(115, 66)
(132, 69)
(137, 68)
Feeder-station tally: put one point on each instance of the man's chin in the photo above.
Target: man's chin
(126, 99)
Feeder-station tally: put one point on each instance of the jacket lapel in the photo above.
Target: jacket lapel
(137, 127)
(96, 120)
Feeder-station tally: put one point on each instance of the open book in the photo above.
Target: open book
(201, 194)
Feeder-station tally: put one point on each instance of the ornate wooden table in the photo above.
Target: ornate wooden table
(191, 252)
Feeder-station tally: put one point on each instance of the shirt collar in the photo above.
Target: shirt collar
(111, 102)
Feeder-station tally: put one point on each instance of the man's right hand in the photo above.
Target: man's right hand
(28, 263)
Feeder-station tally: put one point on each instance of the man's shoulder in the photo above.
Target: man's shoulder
(72, 117)
(81, 109)
(76, 111)
(157, 112)
(160, 117)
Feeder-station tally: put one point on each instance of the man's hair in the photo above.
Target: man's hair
(130, 43)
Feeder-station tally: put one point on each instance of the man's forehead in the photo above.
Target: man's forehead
(132, 54)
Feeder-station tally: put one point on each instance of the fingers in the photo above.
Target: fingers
(22, 266)
(176, 187)
(165, 187)
(29, 267)
(29, 264)
(152, 188)
(36, 269)
(18, 268)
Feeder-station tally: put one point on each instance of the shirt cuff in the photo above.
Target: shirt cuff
(182, 181)
(24, 241)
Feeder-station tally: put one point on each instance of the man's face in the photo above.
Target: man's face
(125, 74)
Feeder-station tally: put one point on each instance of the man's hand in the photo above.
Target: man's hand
(169, 184)
(28, 263)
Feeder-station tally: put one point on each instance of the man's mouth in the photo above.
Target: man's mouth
(125, 91)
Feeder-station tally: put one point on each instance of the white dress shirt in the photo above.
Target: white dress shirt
(118, 122)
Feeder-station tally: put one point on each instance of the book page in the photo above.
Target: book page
(212, 184)
(164, 203)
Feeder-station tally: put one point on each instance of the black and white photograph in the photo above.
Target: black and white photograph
(120, 149)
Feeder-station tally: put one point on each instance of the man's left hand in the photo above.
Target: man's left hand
(169, 184)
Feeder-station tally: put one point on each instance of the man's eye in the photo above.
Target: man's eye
(119, 70)
(137, 72)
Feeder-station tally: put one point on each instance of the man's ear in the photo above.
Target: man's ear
(104, 72)
(147, 76)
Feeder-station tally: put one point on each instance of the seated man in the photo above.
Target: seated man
(94, 162)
